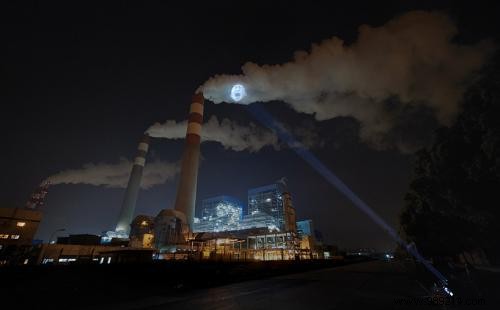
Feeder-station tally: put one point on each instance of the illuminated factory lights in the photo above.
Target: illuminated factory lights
(269, 207)
(220, 213)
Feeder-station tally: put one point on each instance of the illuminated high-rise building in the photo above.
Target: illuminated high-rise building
(275, 201)
(269, 207)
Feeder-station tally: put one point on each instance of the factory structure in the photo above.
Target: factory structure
(223, 228)
(265, 228)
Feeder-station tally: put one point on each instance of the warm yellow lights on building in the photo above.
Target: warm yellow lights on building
(21, 224)
(144, 223)
(147, 241)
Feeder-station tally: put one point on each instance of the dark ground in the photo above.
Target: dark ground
(369, 285)
(263, 285)
(80, 286)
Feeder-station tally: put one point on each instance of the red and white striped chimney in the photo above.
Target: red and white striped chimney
(133, 187)
(186, 190)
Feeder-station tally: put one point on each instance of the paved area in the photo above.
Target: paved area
(372, 285)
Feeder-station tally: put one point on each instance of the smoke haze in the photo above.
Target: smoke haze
(409, 65)
(116, 175)
(228, 133)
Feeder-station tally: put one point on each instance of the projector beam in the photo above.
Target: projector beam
(267, 120)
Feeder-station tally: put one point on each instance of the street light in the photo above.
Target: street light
(55, 231)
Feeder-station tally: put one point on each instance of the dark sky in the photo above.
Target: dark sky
(81, 82)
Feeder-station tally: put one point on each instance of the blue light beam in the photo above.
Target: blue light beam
(267, 120)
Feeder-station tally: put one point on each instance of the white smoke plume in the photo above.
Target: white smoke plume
(116, 175)
(412, 60)
(228, 133)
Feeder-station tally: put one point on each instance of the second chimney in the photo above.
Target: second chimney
(133, 187)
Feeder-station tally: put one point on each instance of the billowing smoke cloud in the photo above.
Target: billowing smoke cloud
(408, 64)
(228, 133)
(116, 175)
(308, 135)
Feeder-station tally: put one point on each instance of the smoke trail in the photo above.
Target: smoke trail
(228, 133)
(408, 65)
(116, 175)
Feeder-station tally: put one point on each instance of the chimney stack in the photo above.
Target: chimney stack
(186, 190)
(134, 184)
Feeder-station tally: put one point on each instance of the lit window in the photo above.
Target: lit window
(21, 224)
(4, 236)
(14, 237)
(47, 260)
(144, 223)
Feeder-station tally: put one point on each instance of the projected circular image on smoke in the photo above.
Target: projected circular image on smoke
(237, 92)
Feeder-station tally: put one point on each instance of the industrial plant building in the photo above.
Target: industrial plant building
(18, 226)
(219, 213)
(87, 248)
(221, 228)
(268, 230)
(142, 232)
(269, 207)
(17, 230)
(269, 200)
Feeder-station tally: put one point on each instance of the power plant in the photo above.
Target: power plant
(266, 230)
(224, 228)
(176, 223)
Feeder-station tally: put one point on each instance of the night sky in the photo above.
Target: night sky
(80, 83)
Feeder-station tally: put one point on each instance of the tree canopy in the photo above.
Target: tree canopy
(453, 201)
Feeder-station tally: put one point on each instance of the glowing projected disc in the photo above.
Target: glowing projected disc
(237, 92)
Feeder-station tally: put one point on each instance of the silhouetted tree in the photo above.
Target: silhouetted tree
(453, 201)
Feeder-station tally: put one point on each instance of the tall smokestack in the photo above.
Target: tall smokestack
(186, 191)
(134, 184)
